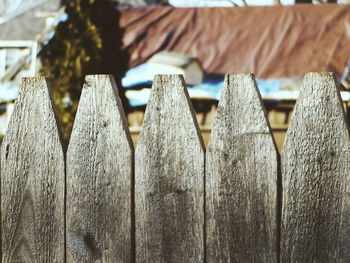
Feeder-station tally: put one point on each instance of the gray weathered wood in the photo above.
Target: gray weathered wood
(169, 178)
(32, 179)
(241, 178)
(99, 177)
(315, 171)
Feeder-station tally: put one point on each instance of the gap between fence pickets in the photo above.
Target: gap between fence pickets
(314, 169)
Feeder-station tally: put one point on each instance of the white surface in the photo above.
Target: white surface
(12, 8)
(8, 91)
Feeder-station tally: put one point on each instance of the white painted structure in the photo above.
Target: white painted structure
(15, 55)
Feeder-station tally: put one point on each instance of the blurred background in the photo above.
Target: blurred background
(277, 40)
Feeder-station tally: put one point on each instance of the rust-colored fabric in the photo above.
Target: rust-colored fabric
(272, 42)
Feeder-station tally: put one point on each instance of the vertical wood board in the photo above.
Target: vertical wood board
(169, 178)
(99, 177)
(241, 178)
(32, 179)
(315, 171)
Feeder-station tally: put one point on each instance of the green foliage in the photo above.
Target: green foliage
(79, 47)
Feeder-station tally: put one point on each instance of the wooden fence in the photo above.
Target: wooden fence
(172, 201)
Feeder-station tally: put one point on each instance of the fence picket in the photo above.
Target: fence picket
(315, 171)
(227, 205)
(99, 177)
(241, 178)
(32, 179)
(169, 178)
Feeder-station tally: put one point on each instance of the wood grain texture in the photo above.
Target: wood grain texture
(241, 178)
(169, 178)
(32, 179)
(99, 177)
(315, 171)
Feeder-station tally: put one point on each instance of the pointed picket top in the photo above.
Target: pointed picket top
(241, 107)
(315, 172)
(169, 177)
(32, 179)
(99, 177)
(241, 178)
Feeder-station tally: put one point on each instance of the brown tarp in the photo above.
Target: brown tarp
(272, 42)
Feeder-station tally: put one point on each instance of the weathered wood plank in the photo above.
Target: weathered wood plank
(315, 171)
(99, 177)
(32, 179)
(169, 178)
(241, 178)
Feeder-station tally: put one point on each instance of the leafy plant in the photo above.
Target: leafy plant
(88, 42)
